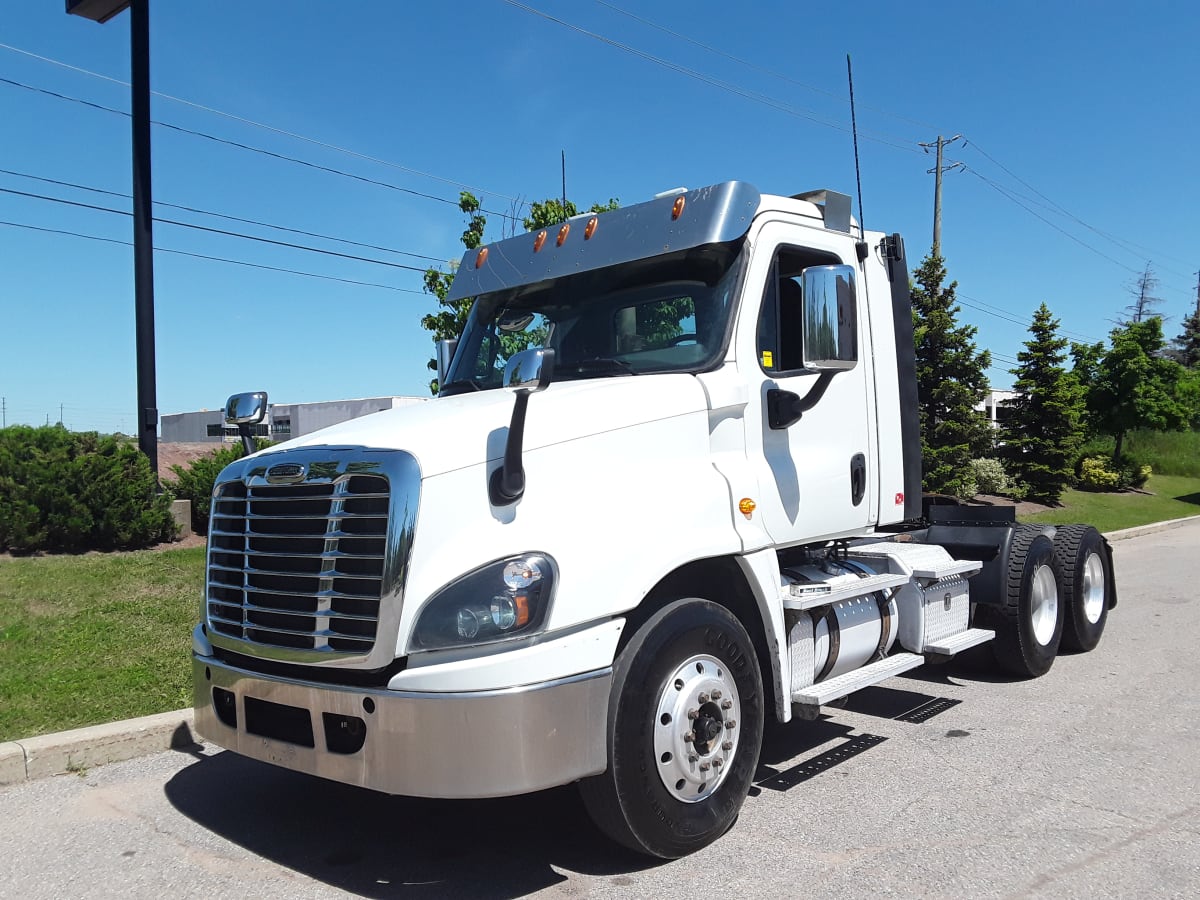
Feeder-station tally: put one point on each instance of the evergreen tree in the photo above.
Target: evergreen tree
(950, 382)
(1043, 429)
(1137, 387)
(1187, 346)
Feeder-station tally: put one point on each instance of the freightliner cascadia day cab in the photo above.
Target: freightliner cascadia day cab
(671, 486)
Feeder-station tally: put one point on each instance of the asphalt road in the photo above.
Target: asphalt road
(1085, 782)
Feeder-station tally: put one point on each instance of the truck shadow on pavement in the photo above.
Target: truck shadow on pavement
(381, 846)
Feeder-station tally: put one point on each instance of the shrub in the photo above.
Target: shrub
(67, 491)
(991, 478)
(1095, 474)
(196, 482)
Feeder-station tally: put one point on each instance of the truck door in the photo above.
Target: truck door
(817, 475)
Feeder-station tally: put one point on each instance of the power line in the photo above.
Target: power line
(799, 113)
(1128, 246)
(262, 125)
(1004, 192)
(763, 69)
(242, 146)
(217, 215)
(235, 262)
(222, 231)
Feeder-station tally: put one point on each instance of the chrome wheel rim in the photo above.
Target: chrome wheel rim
(1043, 605)
(1093, 588)
(696, 728)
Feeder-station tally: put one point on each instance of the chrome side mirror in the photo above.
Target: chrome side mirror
(445, 354)
(830, 318)
(246, 409)
(529, 370)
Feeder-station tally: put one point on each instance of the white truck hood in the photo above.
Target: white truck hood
(455, 432)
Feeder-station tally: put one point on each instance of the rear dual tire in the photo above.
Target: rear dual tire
(1029, 624)
(1087, 582)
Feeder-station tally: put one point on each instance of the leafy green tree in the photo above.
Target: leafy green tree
(543, 214)
(1135, 386)
(450, 320)
(1043, 429)
(1186, 350)
(950, 382)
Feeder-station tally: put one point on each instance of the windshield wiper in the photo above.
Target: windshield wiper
(604, 365)
(458, 387)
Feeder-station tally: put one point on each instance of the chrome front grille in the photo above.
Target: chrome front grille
(299, 566)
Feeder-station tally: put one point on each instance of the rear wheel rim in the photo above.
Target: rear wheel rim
(696, 728)
(1093, 588)
(1043, 605)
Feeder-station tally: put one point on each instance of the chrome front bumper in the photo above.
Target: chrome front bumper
(420, 744)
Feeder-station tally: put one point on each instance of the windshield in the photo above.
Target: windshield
(670, 313)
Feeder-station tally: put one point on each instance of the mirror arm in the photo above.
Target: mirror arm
(785, 409)
(507, 483)
(247, 439)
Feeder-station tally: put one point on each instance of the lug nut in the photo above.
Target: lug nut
(692, 757)
(704, 767)
(716, 695)
(703, 698)
(731, 724)
(717, 763)
(689, 737)
(727, 704)
(727, 746)
(692, 713)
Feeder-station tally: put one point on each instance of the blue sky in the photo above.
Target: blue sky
(1081, 126)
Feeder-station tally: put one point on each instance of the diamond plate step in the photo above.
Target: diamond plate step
(957, 567)
(957, 643)
(868, 675)
(809, 595)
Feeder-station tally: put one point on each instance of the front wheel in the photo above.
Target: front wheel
(684, 732)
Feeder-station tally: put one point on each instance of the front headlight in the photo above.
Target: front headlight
(506, 599)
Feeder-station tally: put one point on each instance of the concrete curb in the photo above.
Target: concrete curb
(1139, 530)
(57, 754)
(82, 748)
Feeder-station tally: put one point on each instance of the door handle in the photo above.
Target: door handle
(858, 478)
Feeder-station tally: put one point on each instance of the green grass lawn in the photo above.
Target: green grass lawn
(95, 638)
(1169, 497)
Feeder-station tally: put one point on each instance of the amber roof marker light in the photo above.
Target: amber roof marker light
(562, 234)
(677, 209)
(590, 228)
(481, 258)
(539, 240)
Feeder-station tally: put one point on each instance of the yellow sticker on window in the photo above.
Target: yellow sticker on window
(768, 359)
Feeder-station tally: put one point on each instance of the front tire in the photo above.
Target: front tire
(1086, 580)
(684, 732)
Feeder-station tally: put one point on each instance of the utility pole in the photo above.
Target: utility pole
(146, 422)
(60, 409)
(1197, 296)
(4, 412)
(937, 186)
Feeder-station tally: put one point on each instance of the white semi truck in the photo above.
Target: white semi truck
(671, 486)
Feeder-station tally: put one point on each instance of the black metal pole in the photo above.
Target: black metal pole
(143, 232)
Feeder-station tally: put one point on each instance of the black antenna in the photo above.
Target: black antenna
(564, 176)
(862, 228)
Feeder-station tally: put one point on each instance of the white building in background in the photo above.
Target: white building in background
(284, 420)
(993, 405)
